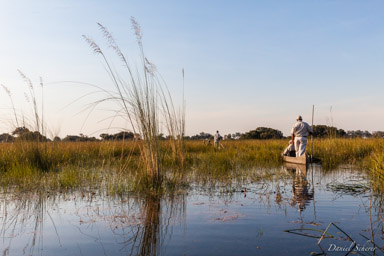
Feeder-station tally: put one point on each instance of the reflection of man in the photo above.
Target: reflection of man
(299, 132)
(300, 193)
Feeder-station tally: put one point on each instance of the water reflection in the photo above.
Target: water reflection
(219, 221)
(22, 214)
(155, 230)
(34, 223)
(302, 191)
(149, 235)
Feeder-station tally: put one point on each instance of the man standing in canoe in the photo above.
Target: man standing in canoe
(300, 132)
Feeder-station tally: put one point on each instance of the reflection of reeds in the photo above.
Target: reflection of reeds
(156, 227)
(376, 222)
(24, 214)
(149, 237)
(139, 225)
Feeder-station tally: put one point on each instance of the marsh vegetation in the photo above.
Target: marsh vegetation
(135, 191)
(118, 166)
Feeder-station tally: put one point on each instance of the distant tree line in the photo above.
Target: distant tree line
(201, 136)
(24, 134)
(319, 131)
(260, 133)
(118, 136)
(263, 133)
(324, 131)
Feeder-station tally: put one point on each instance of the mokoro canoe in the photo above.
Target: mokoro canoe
(296, 160)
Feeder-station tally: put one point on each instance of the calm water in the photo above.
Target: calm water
(220, 221)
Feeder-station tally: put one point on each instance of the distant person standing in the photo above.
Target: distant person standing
(300, 132)
(216, 138)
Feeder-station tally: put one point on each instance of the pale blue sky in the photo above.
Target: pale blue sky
(247, 63)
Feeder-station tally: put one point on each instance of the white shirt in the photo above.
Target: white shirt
(301, 129)
(216, 137)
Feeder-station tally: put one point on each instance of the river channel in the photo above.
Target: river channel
(283, 215)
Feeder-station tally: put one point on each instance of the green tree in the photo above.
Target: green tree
(23, 133)
(263, 133)
(324, 131)
(5, 137)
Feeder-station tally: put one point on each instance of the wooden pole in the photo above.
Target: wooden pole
(313, 113)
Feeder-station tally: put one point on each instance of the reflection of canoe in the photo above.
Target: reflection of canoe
(296, 160)
(298, 168)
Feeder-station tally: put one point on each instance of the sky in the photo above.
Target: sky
(247, 64)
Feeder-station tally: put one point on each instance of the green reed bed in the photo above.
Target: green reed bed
(236, 154)
(367, 154)
(52, 166)
(376, 166)
(50, 156)
(117, 167)
(357, 151)
(235, 163)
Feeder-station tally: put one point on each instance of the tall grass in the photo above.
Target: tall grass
(30, 128)
(335, 151)
(377, 171)
(146, 103)
(116, 166)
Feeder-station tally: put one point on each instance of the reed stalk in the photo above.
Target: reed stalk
(146, 102)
